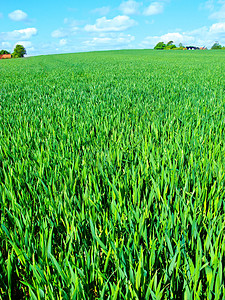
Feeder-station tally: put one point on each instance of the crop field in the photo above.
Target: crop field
(112, 176)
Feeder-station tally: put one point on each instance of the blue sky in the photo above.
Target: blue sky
(46, 27)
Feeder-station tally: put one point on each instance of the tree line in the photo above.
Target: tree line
(171, 46)
(19, 51)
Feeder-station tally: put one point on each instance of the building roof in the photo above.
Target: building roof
(5, 56)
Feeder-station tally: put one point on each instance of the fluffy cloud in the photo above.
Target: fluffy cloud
(101, 10)
(1, 15)
(60, 33)
(119, 23)
(204, 36)
(64, 32)
(176, 37)
(26, 44)
(209, 5)
(21, 34)
(219, 14)
(72, 22)
(154, 8)
(208, 35)
(62, 42)
(6, 45)
(217, 28)
(18, 15)
(129, 7)
(112, 40)
(70, 29)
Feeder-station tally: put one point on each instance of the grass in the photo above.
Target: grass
(112, 172)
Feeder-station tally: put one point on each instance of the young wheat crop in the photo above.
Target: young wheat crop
(112, 176)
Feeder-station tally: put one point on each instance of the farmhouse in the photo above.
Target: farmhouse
(5, 56)
(192, 48)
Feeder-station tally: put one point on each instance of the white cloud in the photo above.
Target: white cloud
(101, 10)
(1, 15)
(6, 45)
(71, 29)
(220, 13)
(97, 40)
(62, 42)
(18, 15)
(176, 37)
(26, 44)
(119, 23)
(198, 32)
(59, 33)
(217, 28)
(64, 32)
(22, 34)
(154, 8)
(73, 22)
(208, 35)
(204, 36)
(110, 41)
(129, 7)
(209, 5)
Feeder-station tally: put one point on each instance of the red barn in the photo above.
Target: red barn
(2, 56)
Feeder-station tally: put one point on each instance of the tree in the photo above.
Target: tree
(181, 45)
(160, 46)
(216, 46)
(19, 51)
(4, 52)
(169, 43)
(170, 47)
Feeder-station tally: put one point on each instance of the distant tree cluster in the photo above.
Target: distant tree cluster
(19, 51)
(217, 46)
(4, 52)
(171, 46)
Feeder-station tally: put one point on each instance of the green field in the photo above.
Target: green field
(112, 176)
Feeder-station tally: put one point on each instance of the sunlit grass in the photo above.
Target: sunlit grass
(112, 176)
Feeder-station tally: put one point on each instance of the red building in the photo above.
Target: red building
(2, 56)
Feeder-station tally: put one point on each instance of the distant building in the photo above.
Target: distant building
(192, 48)
(5, 56)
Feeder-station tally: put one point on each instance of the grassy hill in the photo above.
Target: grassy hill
(112, 179)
